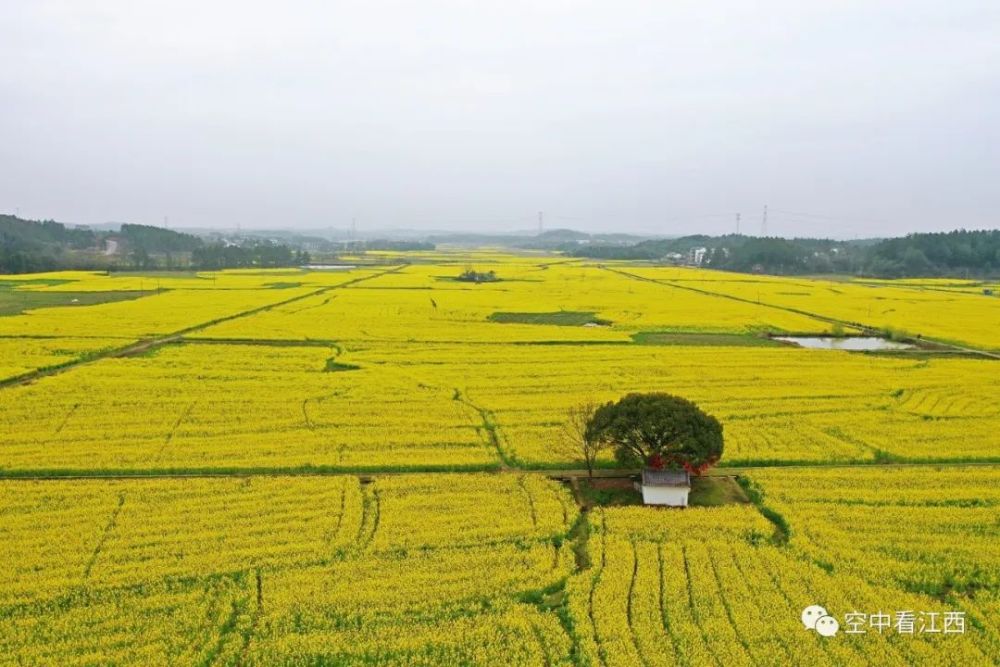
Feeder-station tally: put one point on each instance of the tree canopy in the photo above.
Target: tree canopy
(658, 430)
(961, 253)
(470, 275)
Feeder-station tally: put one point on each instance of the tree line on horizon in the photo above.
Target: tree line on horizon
(29, 246)
(960, 253)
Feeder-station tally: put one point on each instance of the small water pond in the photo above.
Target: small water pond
(849, 343)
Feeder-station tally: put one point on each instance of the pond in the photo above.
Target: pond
(849, 343)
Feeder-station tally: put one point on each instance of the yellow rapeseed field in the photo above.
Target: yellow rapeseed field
(725, 585)
(491, 569)
(964, 316)
(213, 406)
(415, 570)
(367, 466)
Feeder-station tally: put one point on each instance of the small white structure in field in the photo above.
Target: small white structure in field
(665, 487)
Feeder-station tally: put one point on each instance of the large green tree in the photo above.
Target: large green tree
(658, 430)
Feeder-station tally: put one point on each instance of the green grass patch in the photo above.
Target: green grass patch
(716, 491)
(782, 531)
(281, 285)
(609, 492)
(335, 366)
(15, 282)
(709, 491)
(15, 301)
(562, 318)
(579, 535)
(704, 339)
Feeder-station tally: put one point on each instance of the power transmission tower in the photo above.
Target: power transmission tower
(737, 224)
(541, 223)
(763, 222)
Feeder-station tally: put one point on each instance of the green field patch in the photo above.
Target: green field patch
(715, 491)
(16, 282)
(609, 492)
(706, 491)
(281, 285)
(15, 302)
(333, 366)
(718, 339)
(563, 318)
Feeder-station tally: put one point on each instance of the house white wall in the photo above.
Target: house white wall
(674, 496)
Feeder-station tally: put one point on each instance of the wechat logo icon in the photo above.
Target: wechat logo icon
(815, 617)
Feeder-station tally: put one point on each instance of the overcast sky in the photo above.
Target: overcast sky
(848, 118)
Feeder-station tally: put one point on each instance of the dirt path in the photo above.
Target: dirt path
(568, 474)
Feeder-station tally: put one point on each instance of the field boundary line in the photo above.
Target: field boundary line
(494, 435)
(367, 474)
(629, 607)
(868, 329)
(146, 344)
(106, 533)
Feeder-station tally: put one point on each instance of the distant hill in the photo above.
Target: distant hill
(38, 245)
(29, 246)
(43, 245)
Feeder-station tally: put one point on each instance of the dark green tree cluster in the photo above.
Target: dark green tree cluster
(30, 245)
(746, 253)
(970, 253)
(267, 255)
(657, 430)
(960, 253)
(470, 275)
(146, 245)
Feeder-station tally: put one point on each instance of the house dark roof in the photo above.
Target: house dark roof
(652, 477)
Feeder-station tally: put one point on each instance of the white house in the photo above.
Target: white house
(665, 487)
(696, 256)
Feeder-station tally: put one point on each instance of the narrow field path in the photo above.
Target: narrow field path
(492, 430)
(368, 474)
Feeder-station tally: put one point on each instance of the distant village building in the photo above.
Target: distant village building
(665, 487)
(696, 256)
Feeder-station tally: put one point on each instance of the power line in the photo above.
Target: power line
(829, 217)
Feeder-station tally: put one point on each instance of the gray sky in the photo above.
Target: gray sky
(872, 117)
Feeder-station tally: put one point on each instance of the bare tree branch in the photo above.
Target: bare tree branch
(575, 441)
